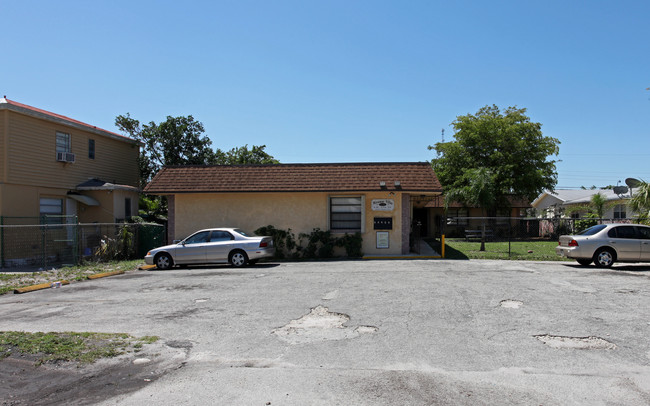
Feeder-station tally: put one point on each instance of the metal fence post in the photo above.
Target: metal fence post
(509, 236)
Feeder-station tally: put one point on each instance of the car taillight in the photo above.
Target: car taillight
(573, 243)
(264, 244)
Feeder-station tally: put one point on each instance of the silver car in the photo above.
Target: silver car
(213, 246)
(605, 244)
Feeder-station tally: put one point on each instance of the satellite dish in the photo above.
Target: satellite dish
(632, 183)
(620, 190)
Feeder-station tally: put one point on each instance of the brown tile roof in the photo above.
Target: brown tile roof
(334, 177)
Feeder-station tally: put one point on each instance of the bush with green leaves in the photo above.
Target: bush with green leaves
(317, 244)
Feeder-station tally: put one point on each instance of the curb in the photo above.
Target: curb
(105, 274)
(403, 257)
(40, 286)
(146, 267)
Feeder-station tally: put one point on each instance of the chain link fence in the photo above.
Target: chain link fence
(59, 240)
(508, 237)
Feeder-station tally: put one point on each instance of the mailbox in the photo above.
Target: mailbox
(383, 223)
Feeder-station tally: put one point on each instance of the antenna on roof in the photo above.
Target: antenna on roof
(442, 141)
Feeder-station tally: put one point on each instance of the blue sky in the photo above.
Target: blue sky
(345, 81)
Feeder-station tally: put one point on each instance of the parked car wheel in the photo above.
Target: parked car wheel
(238, 259)
(585, 262)
(604, 258)
(163, 261)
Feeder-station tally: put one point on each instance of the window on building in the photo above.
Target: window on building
(619, 211)
(503, 217)
(63, 142)
(458, 217)
(345, 213)
(91, 149)
(127, 207)
(51, 210)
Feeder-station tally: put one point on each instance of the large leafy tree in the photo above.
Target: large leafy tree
(508, 145)
(181, 141)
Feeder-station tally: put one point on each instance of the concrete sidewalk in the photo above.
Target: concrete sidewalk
(426, 252)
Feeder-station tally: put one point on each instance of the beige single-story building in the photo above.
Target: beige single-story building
(375, 199)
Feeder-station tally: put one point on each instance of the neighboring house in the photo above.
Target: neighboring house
(52, 165)
(375, 199)
(555, 204)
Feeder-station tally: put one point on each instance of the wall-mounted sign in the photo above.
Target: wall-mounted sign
(383, 239)
(383, 204)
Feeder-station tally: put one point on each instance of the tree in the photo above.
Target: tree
(243, 155)
(181, 141)
(510, 147)
(598, 205)
(640, 201)
(176, 141)
(479, 190)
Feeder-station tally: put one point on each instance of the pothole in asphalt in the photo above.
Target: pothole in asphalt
(320, 325)
(511, 304)
(580, 343)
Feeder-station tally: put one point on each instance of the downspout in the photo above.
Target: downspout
(406, 223)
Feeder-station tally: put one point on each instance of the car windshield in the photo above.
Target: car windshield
(242, 232)
(592, 230)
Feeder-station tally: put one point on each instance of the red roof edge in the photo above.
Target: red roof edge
(62, 117)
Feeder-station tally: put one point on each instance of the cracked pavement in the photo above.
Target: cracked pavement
(434, 331)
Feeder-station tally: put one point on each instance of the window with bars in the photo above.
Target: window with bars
(457, 217)
(346, 213)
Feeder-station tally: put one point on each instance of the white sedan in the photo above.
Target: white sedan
(213, 246)
(605, 244)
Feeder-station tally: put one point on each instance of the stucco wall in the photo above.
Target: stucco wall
(301, 212)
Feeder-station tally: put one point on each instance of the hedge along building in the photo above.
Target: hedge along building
(374, 199)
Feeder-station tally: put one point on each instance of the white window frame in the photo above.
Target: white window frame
(619, 209)
(362, 208)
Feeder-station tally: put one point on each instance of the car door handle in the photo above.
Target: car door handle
(612, 242)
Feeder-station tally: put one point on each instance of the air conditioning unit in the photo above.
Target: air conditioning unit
(65, 157)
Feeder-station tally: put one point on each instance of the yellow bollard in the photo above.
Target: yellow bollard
(442, 241)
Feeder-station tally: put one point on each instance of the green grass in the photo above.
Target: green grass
(84, 348)
(517, 250)
(14, 280)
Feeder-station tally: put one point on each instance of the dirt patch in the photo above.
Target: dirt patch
(320, 325)
(24, 383)
(579, 343)
(511, 304)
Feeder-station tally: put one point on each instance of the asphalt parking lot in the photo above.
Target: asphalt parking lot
(414, 332)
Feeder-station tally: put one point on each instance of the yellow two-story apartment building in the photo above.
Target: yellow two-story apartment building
(52, 165)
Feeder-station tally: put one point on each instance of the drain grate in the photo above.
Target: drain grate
(580, 343)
